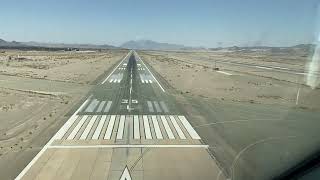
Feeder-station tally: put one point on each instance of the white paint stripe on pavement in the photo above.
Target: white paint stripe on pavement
(77, 128)
(167, 127)
(99, 127)
(150, 106)
(189, 128)
(156, 105)
(150, 72)
(121, 127)
(108, 106)
(131, 146)
(222, 72)
(261, 67)
(156, 127)
(136, 130)
(277, 67)
(177, 127)
(147, 130)
(69, 123)
(92, 105)
(110, 127)
(116, 67)
(101, 106)
(150, 81)
(86, 131)
(111, 81)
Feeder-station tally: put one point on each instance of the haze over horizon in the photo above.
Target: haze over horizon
(208, 24)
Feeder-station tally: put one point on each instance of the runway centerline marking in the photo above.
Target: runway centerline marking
(130, 52)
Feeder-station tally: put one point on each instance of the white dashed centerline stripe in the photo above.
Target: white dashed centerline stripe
(77, 128)
(177, 127)
(167, 127)
(99, 127)
(156, 127)
(187, 125)
(121, 127)
(147, 130)
(136, 130)
(110, 127)
(86, 131)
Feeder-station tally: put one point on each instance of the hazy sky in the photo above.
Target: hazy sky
(196, 23)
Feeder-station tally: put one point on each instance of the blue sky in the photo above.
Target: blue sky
(196, 23)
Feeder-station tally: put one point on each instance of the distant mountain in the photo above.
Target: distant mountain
(153, 45)
(4, 43)
(305, 46)
(63, 45)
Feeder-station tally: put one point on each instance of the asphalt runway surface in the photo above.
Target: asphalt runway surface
(128, 128)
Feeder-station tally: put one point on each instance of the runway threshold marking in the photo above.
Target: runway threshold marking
(147, 127)
(99, 127)
(129, 146)
(189, 128)
(169, 127)
(116, 67)
(85, 134)
(110, 127)
(136, 124)
(156, 127)
(77, 128)
(121, 127)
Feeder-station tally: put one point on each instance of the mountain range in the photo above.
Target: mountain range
(140, 44)
(4, 43)
(153, 45)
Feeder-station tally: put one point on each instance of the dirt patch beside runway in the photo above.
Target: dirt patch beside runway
(37, 90)
(250, 118)
(232, 83)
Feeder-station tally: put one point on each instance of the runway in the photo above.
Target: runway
(128, 123)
